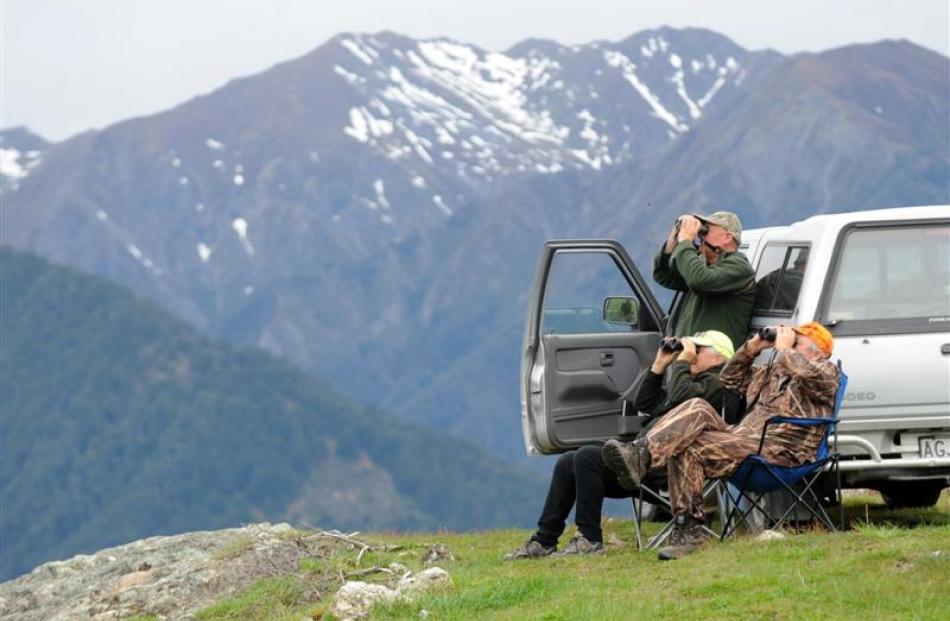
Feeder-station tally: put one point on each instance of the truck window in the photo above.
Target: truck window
(895, 275)
(779, 279)
(577, 287)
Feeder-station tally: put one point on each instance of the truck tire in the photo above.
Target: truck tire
(912, 493)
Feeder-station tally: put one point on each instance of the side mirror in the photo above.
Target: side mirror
(624, 311)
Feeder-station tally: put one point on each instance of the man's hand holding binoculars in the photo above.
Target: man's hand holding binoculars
(687, 228)
(670, 350)
(779, 337)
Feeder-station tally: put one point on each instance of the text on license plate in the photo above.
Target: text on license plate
(935, 446)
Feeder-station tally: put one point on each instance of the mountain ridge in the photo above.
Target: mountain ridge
(119, 421)
(392, 210)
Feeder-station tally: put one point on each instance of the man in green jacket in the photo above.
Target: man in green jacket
(674, 378)
(717, 282)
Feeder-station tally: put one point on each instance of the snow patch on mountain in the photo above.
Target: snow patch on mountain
(364, 126)
(142, 259)
(724, 71)
(679, 80)
(365, 54)
(474, 114)
(240, 227)
(204, 252)
(10, 165)
(380, 188)
(629, 69)
(491, 85)
(437, 200)
(349, 76)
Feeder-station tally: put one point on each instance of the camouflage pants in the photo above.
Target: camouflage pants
(694, 443)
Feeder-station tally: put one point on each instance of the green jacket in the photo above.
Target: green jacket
(655, 399)
(716, 297)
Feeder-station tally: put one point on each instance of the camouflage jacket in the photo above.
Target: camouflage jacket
(790, 385)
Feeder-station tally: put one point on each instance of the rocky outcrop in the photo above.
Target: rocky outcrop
(175, 577)
(169, 577)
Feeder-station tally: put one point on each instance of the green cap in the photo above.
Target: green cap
(720, 343)
(727, 220)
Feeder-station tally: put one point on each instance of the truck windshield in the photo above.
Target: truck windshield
(888, 273)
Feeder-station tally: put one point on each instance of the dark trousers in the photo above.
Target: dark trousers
(580, 477)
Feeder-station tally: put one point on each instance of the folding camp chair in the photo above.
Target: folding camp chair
(758, 476)
(652, 490)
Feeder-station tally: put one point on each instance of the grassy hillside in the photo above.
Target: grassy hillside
(120, 422)
(889, 565)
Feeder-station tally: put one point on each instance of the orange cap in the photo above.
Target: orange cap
(818, 334)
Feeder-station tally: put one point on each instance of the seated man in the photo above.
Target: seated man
(580, 476)
(694, 443)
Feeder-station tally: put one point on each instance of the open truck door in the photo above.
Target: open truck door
(592, 326)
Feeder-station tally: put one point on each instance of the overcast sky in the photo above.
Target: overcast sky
(71, 65)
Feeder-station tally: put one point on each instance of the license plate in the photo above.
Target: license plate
(935, 447)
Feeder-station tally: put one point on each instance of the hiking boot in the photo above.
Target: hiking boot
(687, 536)
(628, 460)
(530, 549)
(579, 544)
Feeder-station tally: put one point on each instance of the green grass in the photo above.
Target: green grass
(234, 548)
(271, 598)
(889, 565)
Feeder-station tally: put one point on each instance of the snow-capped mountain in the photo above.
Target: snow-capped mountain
(540, 107)
(372, 210)
(20, 152)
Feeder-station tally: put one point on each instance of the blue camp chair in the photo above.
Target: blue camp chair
(756, 476)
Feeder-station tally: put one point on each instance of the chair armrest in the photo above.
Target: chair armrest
(801, 422)
(793, 420)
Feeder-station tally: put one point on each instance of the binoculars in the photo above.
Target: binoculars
(703, 227)
(768, 333)
(671, 345)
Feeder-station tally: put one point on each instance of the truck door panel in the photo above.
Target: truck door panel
(587, 376)
(576, 365)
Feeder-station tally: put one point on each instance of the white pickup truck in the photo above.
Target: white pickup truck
(879, 280)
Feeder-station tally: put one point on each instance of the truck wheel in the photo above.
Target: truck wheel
(912, 493)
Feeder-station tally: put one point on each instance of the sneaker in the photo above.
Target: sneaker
(579, 544)
(628, 460)
(530, 549)
(688, 535)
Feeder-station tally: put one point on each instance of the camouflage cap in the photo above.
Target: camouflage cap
(727, 220)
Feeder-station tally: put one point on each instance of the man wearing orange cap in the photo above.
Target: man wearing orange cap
(694, 443)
